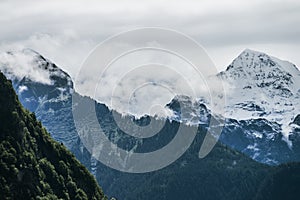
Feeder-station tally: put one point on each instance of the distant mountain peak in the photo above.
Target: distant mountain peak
(36, 79)
(256, 69)
(29, 65)
(250, 59)
(262, 86)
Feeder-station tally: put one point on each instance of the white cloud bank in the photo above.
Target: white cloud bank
(21, 64)
(66, 31)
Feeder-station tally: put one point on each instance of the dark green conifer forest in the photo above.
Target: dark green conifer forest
(32, 164)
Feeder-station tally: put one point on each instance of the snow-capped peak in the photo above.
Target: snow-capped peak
(259, 70)
(262, 86)
(30, 65)
(36, 79)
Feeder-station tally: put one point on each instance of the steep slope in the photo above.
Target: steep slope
(262, 107)
(263, 87)
(32, 164)
(47, 96)
(223, 174)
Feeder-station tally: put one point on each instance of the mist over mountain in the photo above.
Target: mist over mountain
(262, 123)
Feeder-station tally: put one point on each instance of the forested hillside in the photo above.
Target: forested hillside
(32, 164)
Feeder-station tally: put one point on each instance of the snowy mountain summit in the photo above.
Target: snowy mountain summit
(30, 65)
(35, 78)
(262, 86)
(262, 104)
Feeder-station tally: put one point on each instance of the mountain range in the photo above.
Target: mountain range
(262, 122)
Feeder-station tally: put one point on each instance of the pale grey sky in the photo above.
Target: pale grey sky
(66, 31)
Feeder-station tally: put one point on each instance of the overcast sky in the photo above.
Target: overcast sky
(66, 32)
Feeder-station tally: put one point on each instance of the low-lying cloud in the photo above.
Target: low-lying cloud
(66, 32)
(22, 64)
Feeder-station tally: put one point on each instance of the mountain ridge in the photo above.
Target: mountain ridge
(243, 103)
(257, 138)
(32, 164)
